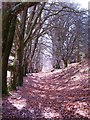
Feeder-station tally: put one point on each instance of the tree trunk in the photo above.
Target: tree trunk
(20, 72)
(66, 63)
(78, 55)
(30, 66)
(9, 14)
(6, 22)
(14, 79)
(21, 48)
(6, 55)
(25, 67)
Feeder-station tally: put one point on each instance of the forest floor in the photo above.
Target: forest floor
(59, 95)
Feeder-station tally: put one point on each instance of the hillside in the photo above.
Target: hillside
(59, 95)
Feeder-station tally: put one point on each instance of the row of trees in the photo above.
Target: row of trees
(25, 26)
(10, 21)
(69, 36)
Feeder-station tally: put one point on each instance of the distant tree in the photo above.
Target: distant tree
(68, 35)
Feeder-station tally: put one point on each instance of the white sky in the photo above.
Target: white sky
(84, 3)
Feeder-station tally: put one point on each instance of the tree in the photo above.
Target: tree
(21, 47)
(7, 41)
(9, 16)
(25, 46)
(68, 35)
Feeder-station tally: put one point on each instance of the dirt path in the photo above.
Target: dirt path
(59, 95)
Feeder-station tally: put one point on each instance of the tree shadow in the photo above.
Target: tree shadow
(37, 101)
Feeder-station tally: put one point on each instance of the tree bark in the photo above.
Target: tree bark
(21, 48)
(6, 55)
(6, 22)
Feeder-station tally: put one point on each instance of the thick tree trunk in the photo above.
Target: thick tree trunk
(4, 75)
(6, 22)
(6, 55)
